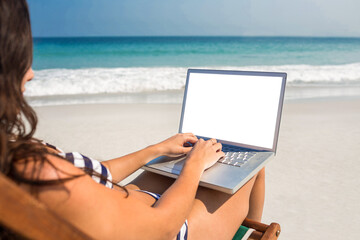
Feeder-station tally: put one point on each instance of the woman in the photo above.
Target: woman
(81, 189)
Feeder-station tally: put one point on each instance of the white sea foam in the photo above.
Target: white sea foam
(51, 82)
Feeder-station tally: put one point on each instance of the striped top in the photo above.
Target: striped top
(82, 161)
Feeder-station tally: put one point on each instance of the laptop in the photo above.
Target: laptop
(242, 110)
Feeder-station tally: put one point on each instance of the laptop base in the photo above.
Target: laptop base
(220, 177)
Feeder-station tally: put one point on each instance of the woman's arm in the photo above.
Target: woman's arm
(122, 167)
(107, 214)
(177, 200)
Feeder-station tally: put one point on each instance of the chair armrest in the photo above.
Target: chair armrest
(263, 231)
(25, 216)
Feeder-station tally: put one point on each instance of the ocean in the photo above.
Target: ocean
(153, 69)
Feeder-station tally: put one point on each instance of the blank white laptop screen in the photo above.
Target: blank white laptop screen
(235, 108)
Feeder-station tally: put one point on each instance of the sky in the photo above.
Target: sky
(64, 18)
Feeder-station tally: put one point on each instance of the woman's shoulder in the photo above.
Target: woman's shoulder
(49, 167)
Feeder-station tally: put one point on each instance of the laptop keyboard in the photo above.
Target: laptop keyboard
(236, 156)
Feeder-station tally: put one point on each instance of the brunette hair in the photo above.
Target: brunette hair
(18, 120)
(16, 141)
(15, 60)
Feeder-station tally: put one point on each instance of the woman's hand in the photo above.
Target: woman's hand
(206, 153)
(177, 145)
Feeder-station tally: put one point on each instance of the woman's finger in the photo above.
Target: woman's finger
(191, 139)
(213, 141)
(186, 149)
(217, 146)
(220, 154)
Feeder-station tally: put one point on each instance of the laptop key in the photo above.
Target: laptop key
(238, 164)
(237, 159)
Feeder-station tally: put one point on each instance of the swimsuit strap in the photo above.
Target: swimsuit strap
(154, 195)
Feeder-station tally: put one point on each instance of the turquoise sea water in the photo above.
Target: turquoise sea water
(113, 52)
(99, 67)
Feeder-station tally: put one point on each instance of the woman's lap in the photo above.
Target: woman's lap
(220, 212)
(152, 182)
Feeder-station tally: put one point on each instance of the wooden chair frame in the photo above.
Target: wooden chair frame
(263, 231)
(27, 217)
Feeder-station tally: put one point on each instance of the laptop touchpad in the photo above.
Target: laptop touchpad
(176, 166)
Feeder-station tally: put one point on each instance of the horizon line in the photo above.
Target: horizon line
(199, 36)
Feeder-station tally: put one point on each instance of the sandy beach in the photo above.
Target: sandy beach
(312, 183)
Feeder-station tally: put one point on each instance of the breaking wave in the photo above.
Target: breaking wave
(51, 82)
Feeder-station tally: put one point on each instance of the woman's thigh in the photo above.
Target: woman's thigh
(216, 215)
(152, 182)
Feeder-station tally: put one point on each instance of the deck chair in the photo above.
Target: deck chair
(27, 218)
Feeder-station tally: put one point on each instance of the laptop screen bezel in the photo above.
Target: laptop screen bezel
(249, 73)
